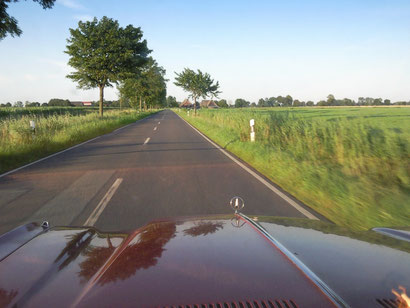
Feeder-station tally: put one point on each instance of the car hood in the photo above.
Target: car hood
(198, 261)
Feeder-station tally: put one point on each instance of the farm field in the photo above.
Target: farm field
(350, 164)
(56, 129)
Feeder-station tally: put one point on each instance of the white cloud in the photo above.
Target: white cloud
(72, 4)
(83, 17)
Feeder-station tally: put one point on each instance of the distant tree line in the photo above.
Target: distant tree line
(63, 103)
(288, 101)
(171, 102)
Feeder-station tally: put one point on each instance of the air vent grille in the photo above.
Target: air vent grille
(244, 304)
(389, 303)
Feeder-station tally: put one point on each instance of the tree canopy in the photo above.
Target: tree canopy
(198, 84)
(240, 102)
(103, 53)
(149, 86)
(8, 24)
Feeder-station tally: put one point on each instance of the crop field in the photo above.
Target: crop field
(56, 129)
(352, 165)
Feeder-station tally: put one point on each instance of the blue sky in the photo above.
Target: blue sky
(255, 49)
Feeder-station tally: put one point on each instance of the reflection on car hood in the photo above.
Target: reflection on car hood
(200, 261)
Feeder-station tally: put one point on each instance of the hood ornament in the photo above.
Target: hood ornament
(237, 204)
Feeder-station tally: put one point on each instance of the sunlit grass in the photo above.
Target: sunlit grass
(351, 165)
(18, 144)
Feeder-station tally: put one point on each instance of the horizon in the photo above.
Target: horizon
(349, 49)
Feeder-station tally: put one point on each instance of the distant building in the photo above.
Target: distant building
(186, 104)
(208, 104)
(81, 104)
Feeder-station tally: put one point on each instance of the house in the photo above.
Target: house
(208, 104)
(80, 104)
(186, 104)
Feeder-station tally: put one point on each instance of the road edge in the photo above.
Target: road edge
(254, 173)
(70, 148)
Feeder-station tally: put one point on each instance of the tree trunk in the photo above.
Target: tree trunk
(101, 99)
(140, 104)
(120, 103)
(194, 105)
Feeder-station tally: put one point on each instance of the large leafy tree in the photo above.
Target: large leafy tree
(149, 86)
(198, 84)
(8, 24)
(103, 53)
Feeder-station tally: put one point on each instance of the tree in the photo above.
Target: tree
(331, 100)
(347, 102)
(361, 101)
(59, 102)
(198, 84)
(148, 86)
(297, 103)
(103, 53)
(172, 102)
(386, 102)
(309, 103)
(8, 24)
(222, 103)
(288, 100)
(240, 103)
(322, 103)
(18, 104)
(261, 102)
(369, 101)
(32, 104)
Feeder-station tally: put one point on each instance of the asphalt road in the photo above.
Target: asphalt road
(123, 180)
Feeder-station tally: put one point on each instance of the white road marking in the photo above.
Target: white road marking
(103, 203)
(147, 140)
(155, 128)
(257, 176)
(159, 122)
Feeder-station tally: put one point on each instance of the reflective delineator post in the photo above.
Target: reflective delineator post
(252, 124)
(33, 126)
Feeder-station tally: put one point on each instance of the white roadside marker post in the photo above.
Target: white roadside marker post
(33, 128)
(188, 113)
(252, 124)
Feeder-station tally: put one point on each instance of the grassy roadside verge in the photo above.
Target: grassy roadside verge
(353, 171)
(54, 133)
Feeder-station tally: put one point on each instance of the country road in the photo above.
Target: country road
(155, 168)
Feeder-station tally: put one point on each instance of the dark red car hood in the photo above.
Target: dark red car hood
(166, 263)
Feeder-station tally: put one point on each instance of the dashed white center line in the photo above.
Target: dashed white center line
(147, 140)
(103, 203)
(155, 128)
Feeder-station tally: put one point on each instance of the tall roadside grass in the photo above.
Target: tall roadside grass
(19, 146)
(353, 170)
(18, 112)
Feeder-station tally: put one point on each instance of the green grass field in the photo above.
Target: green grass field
(56, 129)
(350, 164)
